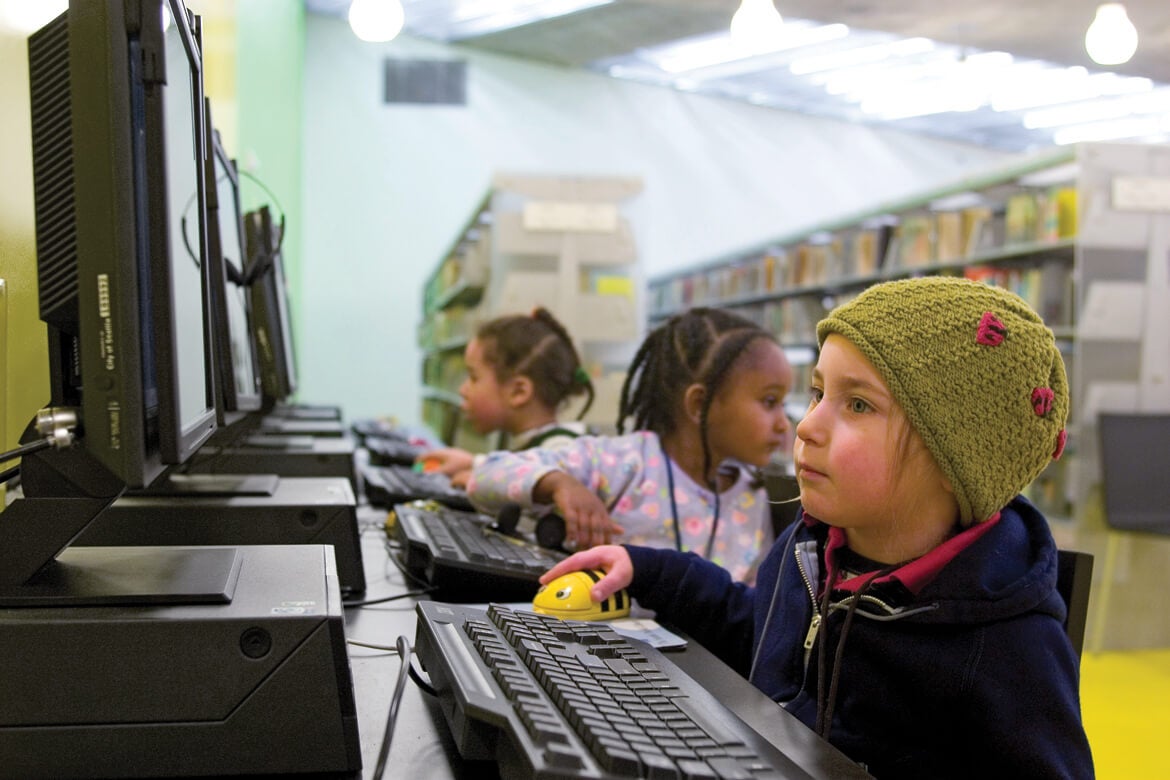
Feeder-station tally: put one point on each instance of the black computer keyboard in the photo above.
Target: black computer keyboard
(375, 428)
(545, 697)
(390, 485)
(460, 555)
(393, 452)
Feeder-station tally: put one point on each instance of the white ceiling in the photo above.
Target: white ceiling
(620, 38)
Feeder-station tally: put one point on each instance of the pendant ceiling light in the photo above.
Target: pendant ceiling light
(376, 21)
(1111, 39)
(756, 25)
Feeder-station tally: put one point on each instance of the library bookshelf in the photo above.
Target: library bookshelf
(561, 242)
(1083, 234)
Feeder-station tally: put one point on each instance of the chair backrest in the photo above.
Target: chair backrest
(1134, 463)
(1074, 576)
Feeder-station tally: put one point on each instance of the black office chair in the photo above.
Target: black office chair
(1134, 463)
(1074, 576)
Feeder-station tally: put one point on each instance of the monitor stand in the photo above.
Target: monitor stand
(300, 510)
(296, 426)
(224, 485)
(105, 576)
(306, 411)
(288, 456)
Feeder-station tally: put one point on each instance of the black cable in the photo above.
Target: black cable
(404, 651)
(9, 474)
(392, 555)
(275, 201)
(426, 687)
(25, 449)
(368, 602)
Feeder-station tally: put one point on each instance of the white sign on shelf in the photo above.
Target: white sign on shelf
(1141, 193)
(570, 216)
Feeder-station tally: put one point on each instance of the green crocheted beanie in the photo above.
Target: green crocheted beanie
(976, 371)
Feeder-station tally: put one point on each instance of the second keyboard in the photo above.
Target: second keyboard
(459, 554)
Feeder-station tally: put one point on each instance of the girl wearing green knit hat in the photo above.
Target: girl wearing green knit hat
(911, 615)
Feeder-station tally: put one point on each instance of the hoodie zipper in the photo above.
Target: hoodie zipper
(814, 625)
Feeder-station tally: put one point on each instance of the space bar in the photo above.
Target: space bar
(717, 731)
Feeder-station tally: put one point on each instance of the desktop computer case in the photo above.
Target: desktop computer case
(260, 685)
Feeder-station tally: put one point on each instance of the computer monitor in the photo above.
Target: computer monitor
(1135, 470)
(237, 368)
(270, 305)
(118, 152)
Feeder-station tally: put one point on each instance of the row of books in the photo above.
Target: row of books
(1047, 289)
(792, 320)
(886, 243)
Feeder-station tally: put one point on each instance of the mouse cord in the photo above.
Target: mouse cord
(384, 599)
(415, 674)
(771, 607)
(404, 653)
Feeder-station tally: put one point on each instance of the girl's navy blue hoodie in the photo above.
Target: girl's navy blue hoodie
(954, 665)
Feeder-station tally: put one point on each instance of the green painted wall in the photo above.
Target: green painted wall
(24, 365)
(270, 73)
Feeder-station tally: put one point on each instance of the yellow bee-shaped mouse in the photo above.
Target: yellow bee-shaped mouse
(568, 597)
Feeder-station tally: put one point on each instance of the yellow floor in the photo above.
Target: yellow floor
(1125, 703)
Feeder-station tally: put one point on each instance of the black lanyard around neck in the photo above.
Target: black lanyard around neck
(674, 508)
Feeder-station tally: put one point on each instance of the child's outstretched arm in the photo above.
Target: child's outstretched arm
(450, 460)
(610, 558)
(587, 521)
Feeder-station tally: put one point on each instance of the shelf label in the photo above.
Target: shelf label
(574, 217)
(1141, 193)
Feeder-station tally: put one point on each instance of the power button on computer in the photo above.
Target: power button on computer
(255, 642)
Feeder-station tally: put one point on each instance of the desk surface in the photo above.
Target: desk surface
(422, 748)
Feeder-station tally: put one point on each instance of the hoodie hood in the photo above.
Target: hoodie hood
(1001, 568)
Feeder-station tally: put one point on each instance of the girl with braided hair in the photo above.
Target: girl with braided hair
(520, 370)
(705, 394)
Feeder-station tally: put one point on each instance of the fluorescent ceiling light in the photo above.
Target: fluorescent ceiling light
(858, 56)
(480, 17)
(1064, 85)
(708, 50)
(936, 98)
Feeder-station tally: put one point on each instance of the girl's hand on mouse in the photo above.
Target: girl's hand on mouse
(450, 460)
(610, 558)
(587, 522)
